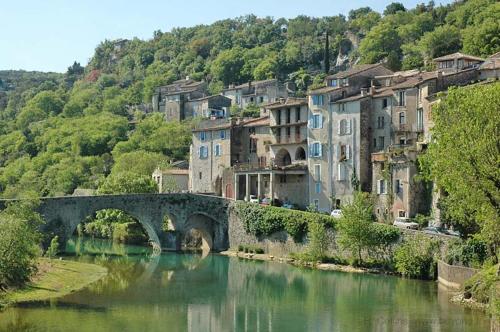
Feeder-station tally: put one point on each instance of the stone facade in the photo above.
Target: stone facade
(214, 107)
(256, 92)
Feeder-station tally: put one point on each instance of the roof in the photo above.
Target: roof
(257, 122)
(209, 97)
(458, 55)
(180, 86)
(252, 83)
(408, 83)
(353, 71)
(291, 101)
(324, 89)
(353, 98)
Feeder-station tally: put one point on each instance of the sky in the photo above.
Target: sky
(49, 35)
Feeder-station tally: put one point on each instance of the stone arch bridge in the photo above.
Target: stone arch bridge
(207, 214)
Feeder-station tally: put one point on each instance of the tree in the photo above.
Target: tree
(139, 161)
(228, 65)
(19, 243)
(482, 40)
(355, 226)
(463, 157)
(441, 41)
(381, 42)
(393, 8)
(128, 183)
(53, 247)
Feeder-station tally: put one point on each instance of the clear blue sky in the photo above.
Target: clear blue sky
(49, 35)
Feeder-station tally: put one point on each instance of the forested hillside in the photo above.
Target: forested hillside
(61, 132)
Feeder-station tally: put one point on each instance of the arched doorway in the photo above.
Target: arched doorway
(283, 158)
(300, 153)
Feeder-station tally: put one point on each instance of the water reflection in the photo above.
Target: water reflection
(192, 292)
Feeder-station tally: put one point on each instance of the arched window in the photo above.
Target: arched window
(300, 154)
(283, 158)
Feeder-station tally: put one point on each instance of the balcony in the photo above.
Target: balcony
(289, 139)
(279, 124)
(269, 166)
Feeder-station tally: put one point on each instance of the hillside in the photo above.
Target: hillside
(63, 131)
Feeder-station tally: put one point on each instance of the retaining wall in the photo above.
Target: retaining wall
(453, 276)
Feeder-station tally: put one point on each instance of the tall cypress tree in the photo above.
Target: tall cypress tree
(327, 54)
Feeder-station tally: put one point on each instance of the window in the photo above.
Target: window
(333, 83)
(253, 145)
(318, 187)
(203, 136)
(251, 99)
(398, 188)
(402, 213)
(288, 131)
(346, 82)
(203, 152)
(287, 115)
(380, 122)
(402, 140)
(341, 172)
(316, 204)
(251, 130)
(342, 107)
(344, 127)
(375, 142)
(278, 120)
(345, 152)
(401, 98)
(315, 150)
(297, 115)
(402, 118)
(381, 187)
(218, 150)
(261, 99)
(317, 172)
(200, 175)
(317, 121)
(317, 100)
(384, 103)
(381, 142)
(222, 134)
(420, 119)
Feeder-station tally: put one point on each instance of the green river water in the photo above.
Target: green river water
(189, 292)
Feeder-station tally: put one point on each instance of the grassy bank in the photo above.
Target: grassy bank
(55, 278)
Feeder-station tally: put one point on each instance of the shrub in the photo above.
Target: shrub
(415, 257)
(53, 247)
(481, 285)
(259, 220)
(318, 241)
(471, 253)
(19, 243)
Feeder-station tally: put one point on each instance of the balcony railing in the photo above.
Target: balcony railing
(289, 139)
(270, 165)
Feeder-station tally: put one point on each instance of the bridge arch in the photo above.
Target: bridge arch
(63, 214)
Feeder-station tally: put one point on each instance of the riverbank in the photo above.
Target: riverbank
(55, 278)
(291, 261)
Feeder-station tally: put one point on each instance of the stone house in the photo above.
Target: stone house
(456, 62)
(214, 107)
(490, 69)
(211, 153)
(256, 92)
(326, 110)
(173, 179)
(171, 99)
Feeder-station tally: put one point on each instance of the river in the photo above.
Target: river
(189, 292)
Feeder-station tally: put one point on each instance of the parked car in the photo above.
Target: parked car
(405, 223)
(433, 230)
(452, 232)
(288, 205)
(254, 199)
(337, 213)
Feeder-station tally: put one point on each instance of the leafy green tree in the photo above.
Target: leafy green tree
(228, 65)
(19, 243)
(441, 41)
(393, 8)
(127, 183)
(355, 226)
(381, 42)
(43, 105)
(482, 40)
(415, 257)
(463, 158)
(53, 248)
(139, 161)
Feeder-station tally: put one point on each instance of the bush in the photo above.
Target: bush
(482, 285)
(250, 249)
(19, 243)
(318, 241)
(53, 248)
(415, 258)
(265, 220)
(471, 253)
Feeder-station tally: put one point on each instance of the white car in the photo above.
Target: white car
(254, 199)
(336, 213)
(405, 223)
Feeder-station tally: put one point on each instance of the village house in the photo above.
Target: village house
(456, 62)
(256, 92)
(175, 178)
